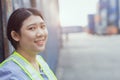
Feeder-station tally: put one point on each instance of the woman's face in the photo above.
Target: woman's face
(33, 34)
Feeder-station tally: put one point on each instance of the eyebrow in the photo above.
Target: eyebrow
(41, 23)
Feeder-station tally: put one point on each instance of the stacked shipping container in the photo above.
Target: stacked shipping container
(108, 12)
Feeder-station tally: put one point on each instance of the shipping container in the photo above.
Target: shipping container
(103, 11)
(2, 55)
(91, 23)
(109, 17)
(119, 15)
(113, 12)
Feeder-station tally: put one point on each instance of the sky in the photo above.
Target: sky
(74, 12)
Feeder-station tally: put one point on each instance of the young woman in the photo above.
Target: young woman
(27, 32)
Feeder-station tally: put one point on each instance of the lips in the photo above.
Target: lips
(40, 42)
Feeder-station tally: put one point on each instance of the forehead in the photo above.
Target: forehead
(32, 20)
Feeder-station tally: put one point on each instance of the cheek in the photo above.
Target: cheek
(27, 36)
(46, 32)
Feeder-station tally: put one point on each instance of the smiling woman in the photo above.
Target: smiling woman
(27, 32)
(34, 31)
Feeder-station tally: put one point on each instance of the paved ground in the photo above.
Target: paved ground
(87, 57)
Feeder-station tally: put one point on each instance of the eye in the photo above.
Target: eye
(43, 26)
(32, 28)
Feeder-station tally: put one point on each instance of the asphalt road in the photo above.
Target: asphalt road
(89, 57)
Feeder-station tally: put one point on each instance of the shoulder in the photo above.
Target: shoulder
(8, 64)
(9, 71)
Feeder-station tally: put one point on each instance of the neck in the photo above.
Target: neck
(30, 57)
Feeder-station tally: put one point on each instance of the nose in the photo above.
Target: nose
(40, 32)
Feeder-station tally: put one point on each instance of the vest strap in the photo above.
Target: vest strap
(26, 66)
(46, 68)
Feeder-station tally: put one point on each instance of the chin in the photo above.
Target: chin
(41, 49)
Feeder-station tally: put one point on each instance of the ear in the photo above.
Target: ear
(15, 35)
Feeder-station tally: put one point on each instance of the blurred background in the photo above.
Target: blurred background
(84, 36)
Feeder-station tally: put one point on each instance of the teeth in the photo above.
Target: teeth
(39, 40)
(42, 39)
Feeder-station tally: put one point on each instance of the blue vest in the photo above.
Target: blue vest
(16, 67)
